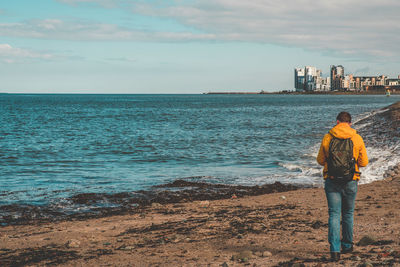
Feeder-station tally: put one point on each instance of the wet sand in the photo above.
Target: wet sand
(281, 228)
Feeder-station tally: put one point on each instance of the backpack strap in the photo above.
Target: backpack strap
(332, 136)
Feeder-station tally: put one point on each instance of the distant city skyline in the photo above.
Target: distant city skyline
(309, 79)
(126, 46)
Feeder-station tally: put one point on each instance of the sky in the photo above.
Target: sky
(190, 46)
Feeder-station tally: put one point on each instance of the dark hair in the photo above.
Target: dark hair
(344, 117)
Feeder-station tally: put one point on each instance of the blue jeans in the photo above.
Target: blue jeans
(341, 199)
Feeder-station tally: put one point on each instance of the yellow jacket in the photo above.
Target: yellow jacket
(343, 131)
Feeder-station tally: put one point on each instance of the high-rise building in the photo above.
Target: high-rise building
(310, 74)
(323, 84)
(299, 79)
(346, 82)
(309, 79)
(337, 77)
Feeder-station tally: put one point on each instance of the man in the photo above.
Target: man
(341, 193)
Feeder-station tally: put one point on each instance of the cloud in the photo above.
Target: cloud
(121, 59)
(351, 27)
(346, 28)
(362, 70)
(9, 54)
(104, 3)
(85, 31)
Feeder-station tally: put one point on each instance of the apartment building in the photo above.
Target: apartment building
(337, 77)
(393, 82)
(299, 75)
(361, 83)
(310, 79)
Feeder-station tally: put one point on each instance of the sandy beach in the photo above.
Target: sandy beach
(276, 229)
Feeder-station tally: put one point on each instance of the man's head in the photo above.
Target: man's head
(344, 117)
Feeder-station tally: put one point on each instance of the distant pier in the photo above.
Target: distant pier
(238, 93)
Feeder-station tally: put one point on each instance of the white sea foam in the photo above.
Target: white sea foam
(362, 125)
(291, 166)
(381, 159)
(305, 171)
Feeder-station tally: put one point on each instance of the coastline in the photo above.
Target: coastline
(281, 228)
(303, 93)
(101, 205)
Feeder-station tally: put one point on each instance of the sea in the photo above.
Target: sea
(54, 146)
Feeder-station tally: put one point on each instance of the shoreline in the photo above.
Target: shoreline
(302, 93)
(99, 205)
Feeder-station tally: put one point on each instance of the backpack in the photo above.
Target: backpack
(341, 162)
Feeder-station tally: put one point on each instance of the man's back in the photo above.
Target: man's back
(343, 131)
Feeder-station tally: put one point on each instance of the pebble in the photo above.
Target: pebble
(127, 248)
(395, 254)
(283, 197)
(224, 264)
(266, 254)
(204, 204)
(366, 264)
(366, 240)
(243, 256)
(156, 205)
(356, 258)
(73, 243)
(317, 224)
(390, 173)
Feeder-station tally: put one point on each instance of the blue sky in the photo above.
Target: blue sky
(189, 46)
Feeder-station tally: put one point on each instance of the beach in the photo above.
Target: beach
(286, 227)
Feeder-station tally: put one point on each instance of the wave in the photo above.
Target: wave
(382, 144)
(380, 160)
(382, 141)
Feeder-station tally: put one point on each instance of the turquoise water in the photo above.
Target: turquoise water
(54, 146)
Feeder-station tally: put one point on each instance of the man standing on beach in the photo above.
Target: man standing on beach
(341, 174)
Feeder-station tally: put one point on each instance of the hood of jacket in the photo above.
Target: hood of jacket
(343, 131)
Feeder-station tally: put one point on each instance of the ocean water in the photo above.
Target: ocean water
(55, 146)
